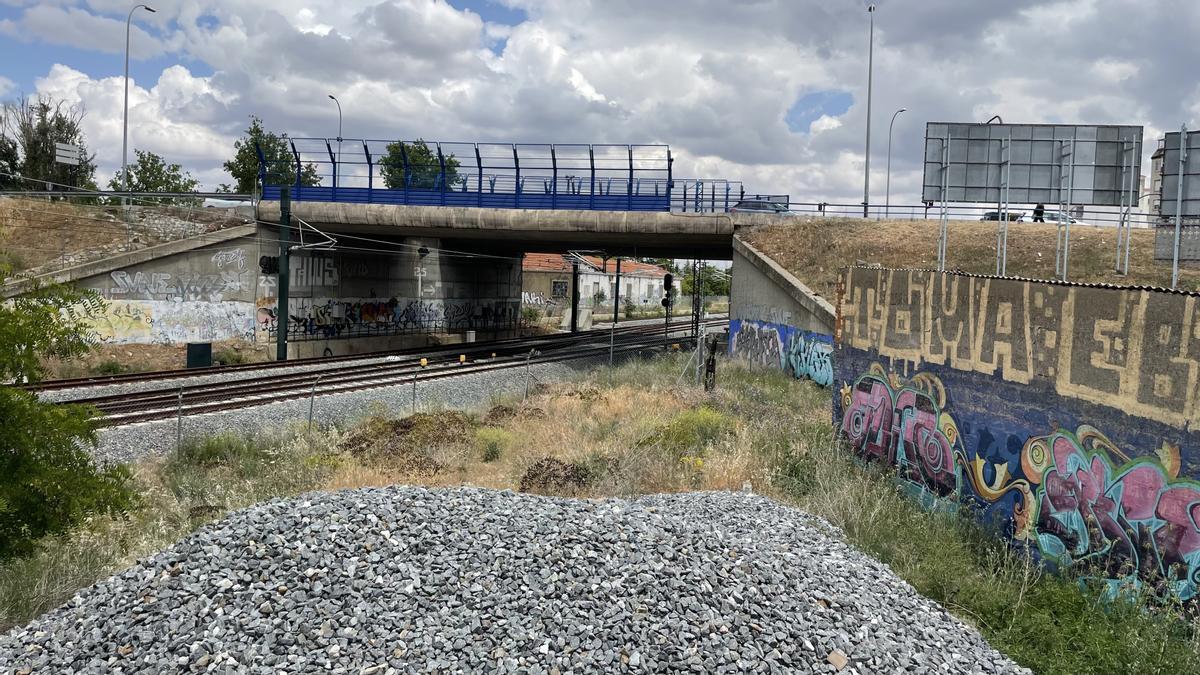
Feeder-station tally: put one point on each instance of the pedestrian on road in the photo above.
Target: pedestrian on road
(1039, 212)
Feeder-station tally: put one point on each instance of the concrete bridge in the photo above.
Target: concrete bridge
(640, 233)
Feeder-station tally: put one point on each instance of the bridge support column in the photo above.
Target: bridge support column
(574, 297)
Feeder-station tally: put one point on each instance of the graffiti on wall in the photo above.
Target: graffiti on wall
(325, 318)
(803, 354)
(166, 321)
(1067, 417)
(1074, 497)
(1134, 349)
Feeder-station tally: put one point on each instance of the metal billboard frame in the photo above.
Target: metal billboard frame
(1180, 168)
(998, 164)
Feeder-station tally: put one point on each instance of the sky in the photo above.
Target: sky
(769, 92)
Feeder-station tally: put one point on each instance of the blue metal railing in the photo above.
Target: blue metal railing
(490, 175)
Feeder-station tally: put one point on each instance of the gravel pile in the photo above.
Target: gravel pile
(402, 580)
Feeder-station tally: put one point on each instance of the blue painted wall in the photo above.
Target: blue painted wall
(803, 354)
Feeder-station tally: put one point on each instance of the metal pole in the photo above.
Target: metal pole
(1183, 141)
(870, 69)
(179, 420)
(285, 246)
(125, 114)
(528, 358)
(312, 395)
(575, 297)
(887, 199)
(339, 139)
(617, 293)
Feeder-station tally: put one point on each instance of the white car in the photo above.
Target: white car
(1060, 219)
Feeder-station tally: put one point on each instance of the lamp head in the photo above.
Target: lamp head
(150, 9)
(902, 110)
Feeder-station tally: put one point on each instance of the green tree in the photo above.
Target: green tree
(48, 481)
(150, 173)
(712, 281)
(281, 163)
(423, 167)
(32, 126)
(10, 163)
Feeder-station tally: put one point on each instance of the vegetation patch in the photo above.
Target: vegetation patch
(691, 432)
(491, 443)
(550, 475)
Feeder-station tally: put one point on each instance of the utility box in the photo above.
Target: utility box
(199, 354)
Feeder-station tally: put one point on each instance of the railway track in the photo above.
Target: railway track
(169, 402)
(471, 350)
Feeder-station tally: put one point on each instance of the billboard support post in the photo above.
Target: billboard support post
(1183, 152)
(944, 222)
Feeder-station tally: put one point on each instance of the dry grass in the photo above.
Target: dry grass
(107, 359)
(642, 434)
(815, 250)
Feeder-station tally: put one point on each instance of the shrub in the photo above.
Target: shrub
(530, 315)
(492, 442)
(48, 482)
(229, 357)
(690, 432)
(111, 367)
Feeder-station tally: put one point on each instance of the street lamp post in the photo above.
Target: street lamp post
(339, 138)
(887, 199)
(125, 116)
(870, 72)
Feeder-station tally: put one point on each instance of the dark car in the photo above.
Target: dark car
(757, 206)
(1013, 216)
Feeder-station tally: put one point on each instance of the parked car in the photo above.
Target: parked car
(1013, 216)
(1062, 219)
(755, 206)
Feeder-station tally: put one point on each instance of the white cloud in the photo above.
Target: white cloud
(7, 86)
(824, 123)
(617, 71)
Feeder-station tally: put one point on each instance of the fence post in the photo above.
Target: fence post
(296, 155)
(370, 171)
(629, 188)
(553, 178)
(312, 396)
(479, 178)
(179, 420)
(405, 175)
(441, 174)
(516, 177)
(670, 183)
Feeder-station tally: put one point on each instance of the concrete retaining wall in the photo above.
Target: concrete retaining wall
(1068, 415)
(201, 290)
(775, 320)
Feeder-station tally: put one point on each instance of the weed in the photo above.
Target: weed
(111, 367)
(492, 442)
(690, 432)
(229, 357)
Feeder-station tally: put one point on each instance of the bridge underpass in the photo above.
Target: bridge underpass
(480, 217)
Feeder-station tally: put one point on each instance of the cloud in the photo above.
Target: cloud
(7, 86)
(181, 117)
(774, 93)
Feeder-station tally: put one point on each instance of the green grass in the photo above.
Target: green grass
(205, 480)
(491, 443)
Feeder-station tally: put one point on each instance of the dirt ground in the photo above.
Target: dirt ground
(815, 250)
(137, 358)
(36, 233)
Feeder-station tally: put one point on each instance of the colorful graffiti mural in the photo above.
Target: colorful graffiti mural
(803, 354)
(1074, 496)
